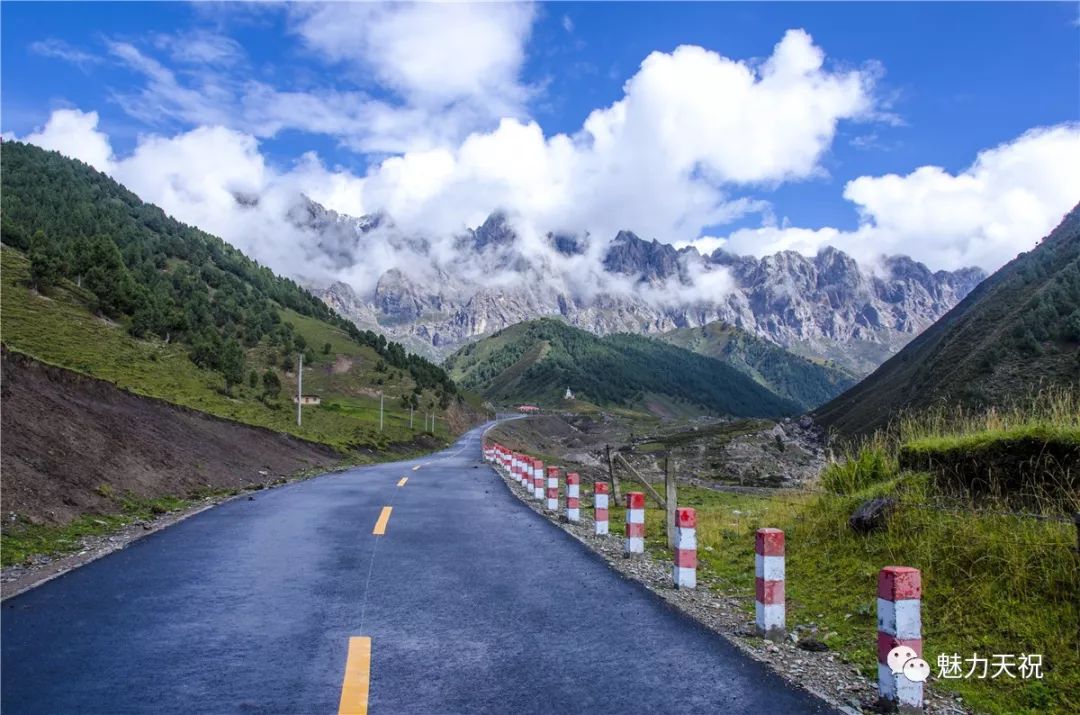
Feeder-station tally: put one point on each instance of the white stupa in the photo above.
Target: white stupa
(569, 395)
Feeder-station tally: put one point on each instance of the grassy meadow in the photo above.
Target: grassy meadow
(996, 581)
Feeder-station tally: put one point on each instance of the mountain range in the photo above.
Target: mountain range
(1018, 332)
(538, 360)
(805, 382)
(825, 307)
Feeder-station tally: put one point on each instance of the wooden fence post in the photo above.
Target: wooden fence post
(669, 494)
(616, 492)
(644, 482)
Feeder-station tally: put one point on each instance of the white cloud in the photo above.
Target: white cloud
(1009, 197)
(74, 133)
(449, 68)
(568, 24)
(690, 125)
(197, 176)
(62, 50)
(430, 54)
(201, 47)
(418, 76)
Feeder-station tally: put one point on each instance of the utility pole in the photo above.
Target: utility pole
(299, 389)
(380, 411)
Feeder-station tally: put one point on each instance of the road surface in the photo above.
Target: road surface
(466, 602)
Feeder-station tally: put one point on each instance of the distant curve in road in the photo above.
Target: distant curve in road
(472, 602)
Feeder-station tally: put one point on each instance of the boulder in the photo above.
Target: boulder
(812, 644)
(870, 516)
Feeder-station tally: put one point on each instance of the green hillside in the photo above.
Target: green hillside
(537, 360)
(791, 376)
(97, 281)
(1016, 334)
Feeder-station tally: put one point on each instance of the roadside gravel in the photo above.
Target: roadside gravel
(821, 673)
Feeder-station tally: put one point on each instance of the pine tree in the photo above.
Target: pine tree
(108, 278)
(232, 363)
(45, 262)
(271, 384)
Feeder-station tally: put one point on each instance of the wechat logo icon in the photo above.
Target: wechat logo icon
(903, 660)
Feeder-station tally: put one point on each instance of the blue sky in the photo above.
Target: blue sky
(944, 82)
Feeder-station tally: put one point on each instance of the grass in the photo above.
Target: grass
(992, 583)
(977, 440)
(58, 329)
(27, 540)
(995, 582)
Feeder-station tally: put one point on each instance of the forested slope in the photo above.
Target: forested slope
(537, 360)
(1016, 333)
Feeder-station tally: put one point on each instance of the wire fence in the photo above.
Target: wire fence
(805, 496)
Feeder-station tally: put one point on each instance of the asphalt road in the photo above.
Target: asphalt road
(472, 603)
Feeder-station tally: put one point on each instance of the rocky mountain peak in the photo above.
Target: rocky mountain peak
(651, 261)
(495, 231)
(824, 306)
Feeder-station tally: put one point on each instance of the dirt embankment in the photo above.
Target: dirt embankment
(71, 440)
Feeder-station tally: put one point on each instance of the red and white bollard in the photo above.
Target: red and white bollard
(515, 466)
(552, 488)
(769, 583)
(899, 609)
(573, 497)
(538, 480)
(635, 523)
(600, 507)
(685, 571)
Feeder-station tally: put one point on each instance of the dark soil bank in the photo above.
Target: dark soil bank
(68, 440)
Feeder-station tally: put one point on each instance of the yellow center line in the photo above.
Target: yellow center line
(401, 482)
(354, 689)
(380, 525)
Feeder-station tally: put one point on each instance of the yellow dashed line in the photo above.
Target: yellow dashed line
(401, 482)
(380, 525)
(354, 689)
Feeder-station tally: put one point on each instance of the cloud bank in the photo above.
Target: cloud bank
(1010, 196)
(695, 139)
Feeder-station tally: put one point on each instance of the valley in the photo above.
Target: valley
(521, 357)
(136, 352)
(960, 456)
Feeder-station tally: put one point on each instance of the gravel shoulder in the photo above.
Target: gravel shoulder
(821, 673)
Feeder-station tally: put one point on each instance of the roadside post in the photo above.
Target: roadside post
(573, 497)
(685, 569)
(635, 523)
(600, 507)
(899, 615)
(769, 583)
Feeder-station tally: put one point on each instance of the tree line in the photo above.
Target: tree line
(163, 278)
